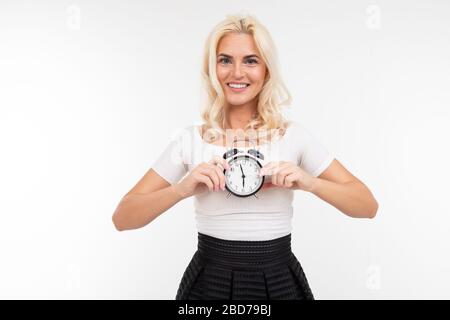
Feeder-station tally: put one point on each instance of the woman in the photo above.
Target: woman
(244, 243)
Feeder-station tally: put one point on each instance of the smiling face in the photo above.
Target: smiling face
(239, 62)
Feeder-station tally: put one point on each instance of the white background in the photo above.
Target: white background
(91, 91)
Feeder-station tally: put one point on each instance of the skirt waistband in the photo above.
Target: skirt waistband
(245, 254)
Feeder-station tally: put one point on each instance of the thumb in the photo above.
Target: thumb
(268, 185)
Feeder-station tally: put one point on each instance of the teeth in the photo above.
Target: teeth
(237, 86)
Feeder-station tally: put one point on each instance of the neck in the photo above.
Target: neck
(237, 117)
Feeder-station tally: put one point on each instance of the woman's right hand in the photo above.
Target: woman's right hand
(205, 176)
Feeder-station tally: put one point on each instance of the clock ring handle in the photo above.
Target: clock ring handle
(254, 152)
(244, 139)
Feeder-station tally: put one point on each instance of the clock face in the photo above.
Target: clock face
(242, 177)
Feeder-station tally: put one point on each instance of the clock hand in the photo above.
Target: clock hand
(243, 175)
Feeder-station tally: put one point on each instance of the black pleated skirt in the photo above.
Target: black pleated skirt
(244, 270)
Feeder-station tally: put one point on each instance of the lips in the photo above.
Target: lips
(238, 83)
(237, 89)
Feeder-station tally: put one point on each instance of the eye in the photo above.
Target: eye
(223, 59)
(252, 61)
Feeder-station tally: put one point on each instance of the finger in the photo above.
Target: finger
(277, 179)
(290, 179)
(214, 176)
(282, 174)
(221, 176)
(206, 180)
(218, 160)
(266, 167)
(274, 171)
(271, 167)
(209, 172)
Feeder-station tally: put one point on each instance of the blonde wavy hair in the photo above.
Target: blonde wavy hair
(268, 118)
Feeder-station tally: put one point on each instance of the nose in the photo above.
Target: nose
(237, 71)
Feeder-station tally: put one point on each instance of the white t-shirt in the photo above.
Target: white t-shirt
(265, 217)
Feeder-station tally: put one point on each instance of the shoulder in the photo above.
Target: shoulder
(295, 128)
(296, 125)
(182, 137)
(281, 132)
(300, 132)
(184, 132)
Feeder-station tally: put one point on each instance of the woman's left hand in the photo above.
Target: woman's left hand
(286, 174)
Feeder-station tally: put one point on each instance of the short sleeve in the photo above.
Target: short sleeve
(313, 157)
(170, 164)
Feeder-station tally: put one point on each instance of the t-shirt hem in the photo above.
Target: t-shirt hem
(323, 166)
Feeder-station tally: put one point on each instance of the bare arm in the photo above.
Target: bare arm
(337, 186)
(153, 195)
(137, 210)
(351, 198)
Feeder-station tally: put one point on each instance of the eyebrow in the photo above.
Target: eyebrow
(249, 56)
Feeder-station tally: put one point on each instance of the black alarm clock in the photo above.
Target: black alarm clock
(242, 179)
